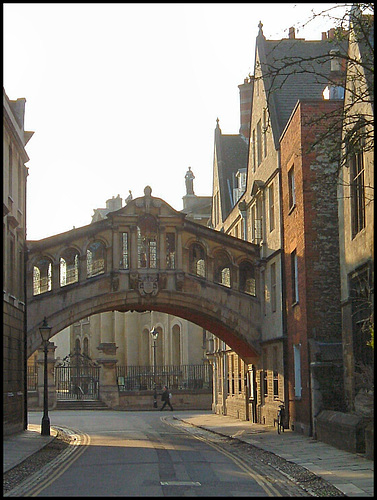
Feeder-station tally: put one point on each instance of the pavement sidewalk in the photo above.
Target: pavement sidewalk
(18, 447)
(350, 473)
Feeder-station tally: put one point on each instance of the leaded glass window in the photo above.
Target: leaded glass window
(95, 259)
(222, 273)
(124, 261)
(197, 260)
(69, 267)
(42, 276)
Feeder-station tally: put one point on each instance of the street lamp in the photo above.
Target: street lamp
(154, 335)
(45, 334)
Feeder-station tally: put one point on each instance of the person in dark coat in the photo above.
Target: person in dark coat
(165, 398)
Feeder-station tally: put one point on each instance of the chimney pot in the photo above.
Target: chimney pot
(324, 35)
(331, 33)
(292, 33)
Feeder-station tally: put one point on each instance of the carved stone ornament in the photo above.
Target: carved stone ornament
(180, 279)
(114, 282)
(147, 200)
(148, 285)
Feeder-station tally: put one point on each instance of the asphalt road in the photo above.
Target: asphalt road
(149, 454)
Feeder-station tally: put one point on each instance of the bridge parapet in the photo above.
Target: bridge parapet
(146, 256)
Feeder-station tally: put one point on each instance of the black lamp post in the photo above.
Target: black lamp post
(45, 334)
(154, 335)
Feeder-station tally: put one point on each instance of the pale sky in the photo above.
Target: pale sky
(123, 95)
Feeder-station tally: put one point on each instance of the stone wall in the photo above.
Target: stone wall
(13, 369)
(342, 430)
(182, 400)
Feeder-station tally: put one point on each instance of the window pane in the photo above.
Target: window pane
(124, 261)
(297, 368)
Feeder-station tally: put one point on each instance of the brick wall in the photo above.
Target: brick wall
(311, 229)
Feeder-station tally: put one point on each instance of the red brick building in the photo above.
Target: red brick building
(311, 263)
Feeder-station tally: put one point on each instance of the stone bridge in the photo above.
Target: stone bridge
(143, 257)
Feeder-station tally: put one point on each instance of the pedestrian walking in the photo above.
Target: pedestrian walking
(165, 398)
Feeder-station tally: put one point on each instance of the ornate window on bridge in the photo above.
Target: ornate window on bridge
(146, 251)
(170, 250)
(69, 267)
(222, 269)
(42, 276)
(147, 230)
(247, 279)
(95, 259)
(124, 261)
(197, 260)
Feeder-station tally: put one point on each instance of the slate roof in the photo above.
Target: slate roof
(293, 69)
(232, 155)
(100, 214)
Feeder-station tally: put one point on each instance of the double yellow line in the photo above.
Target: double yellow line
(263, 483)
(32, 486)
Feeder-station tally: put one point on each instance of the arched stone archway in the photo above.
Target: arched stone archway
(169, 286)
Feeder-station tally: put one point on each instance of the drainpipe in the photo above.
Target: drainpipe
(25, 335)
(283, 297)
(243, 212)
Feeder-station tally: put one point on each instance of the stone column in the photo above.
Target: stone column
(179, 250)
(133, 247)
(107, 327)
(50, 376)
(82, 268)
(162, 245)
(55, 282)
(120, 337)
(108, 387)
(116, 249)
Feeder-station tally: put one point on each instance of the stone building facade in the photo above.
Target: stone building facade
(255, 212)
(356, 226)
(15, 138)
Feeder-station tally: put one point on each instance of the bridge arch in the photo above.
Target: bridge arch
(230, 314)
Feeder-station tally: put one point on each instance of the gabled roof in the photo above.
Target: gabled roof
(293, 69)
(232, 155)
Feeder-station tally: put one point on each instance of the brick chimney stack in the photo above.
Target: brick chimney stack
(246, 91)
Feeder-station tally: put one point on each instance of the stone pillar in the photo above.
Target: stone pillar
(107, 327)
(50, 376)
(108, 387)
(82, 268)
(120, 337)
(162, 245)
(116, 247)
(179, 250)
(55, 283)
(133, 246)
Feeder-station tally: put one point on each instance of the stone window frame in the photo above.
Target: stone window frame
(69, 266)
(198, 262)
(42, 275)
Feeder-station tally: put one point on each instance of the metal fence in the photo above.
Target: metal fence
(181, 377)
(32, 378)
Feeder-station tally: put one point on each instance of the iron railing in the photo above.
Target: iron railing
(32, 378)
(177, 377)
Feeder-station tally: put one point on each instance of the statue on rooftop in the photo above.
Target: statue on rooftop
(189, 179)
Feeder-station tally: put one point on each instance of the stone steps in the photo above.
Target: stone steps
(80, 404)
